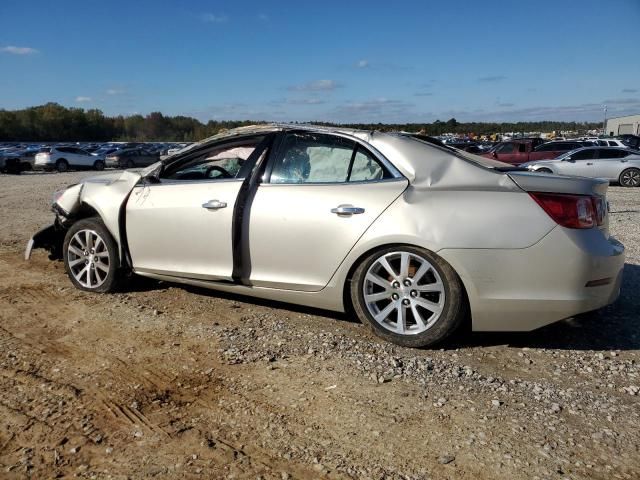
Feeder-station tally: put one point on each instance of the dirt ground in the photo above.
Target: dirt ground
(173, 382)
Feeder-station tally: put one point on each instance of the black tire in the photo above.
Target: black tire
(453, 311)
(62, 165)
(114, 276)
(630, 177)
(98, 165)
(544, 170)
(131, 164)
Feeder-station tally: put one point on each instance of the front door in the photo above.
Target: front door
(319, 195)
(182, 226)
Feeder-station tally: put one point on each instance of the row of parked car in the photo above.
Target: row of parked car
(16, 158)
(616, 159)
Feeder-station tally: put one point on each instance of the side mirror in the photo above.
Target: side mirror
(494, 154)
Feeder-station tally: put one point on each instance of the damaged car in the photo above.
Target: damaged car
(414, 238)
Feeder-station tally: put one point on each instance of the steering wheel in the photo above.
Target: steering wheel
(216, 168)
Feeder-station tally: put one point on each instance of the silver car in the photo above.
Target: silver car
(414, 238)
(620, 165)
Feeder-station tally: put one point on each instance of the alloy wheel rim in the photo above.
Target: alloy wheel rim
(631, 178)
(88, 258)
(404, 293)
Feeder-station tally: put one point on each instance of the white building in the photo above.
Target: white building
(623, 125)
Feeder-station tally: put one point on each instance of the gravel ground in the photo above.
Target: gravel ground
(174, 382)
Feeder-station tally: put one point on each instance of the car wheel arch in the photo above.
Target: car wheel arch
(346, 284)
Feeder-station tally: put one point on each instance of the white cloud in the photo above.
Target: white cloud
(81, 99)
(305, 101)
(13, 50)
(379, 108)
(362, 63)
(214, 18)
(316, 86)
(115, 91)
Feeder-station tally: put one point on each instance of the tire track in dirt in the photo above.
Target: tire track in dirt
(107, 414)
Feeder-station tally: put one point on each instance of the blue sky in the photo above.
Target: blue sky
(357, 61)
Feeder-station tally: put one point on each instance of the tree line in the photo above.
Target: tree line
(54, 122)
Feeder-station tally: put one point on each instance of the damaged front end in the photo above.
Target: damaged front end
(102, 196)
(65, 204)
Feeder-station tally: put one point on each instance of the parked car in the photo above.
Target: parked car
(610, 142)
(517, 152)
(103, 152)
(621, 165)
(28, 158)
(413, 237)
(631, 141)
(131, 158)
(9, 163)
(62, 158)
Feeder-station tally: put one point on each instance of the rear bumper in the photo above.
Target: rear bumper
(566, 273)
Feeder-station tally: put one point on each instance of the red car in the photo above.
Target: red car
(522, 151)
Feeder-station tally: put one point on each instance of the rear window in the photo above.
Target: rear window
(483, 162)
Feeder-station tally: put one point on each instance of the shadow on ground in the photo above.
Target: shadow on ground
(616, 327)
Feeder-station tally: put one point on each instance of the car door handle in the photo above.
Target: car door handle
(347, 210)
(214, 205)
(588, 163)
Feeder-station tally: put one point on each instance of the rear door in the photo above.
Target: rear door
(611, 161)
(319, 194)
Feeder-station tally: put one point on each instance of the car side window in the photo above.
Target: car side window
(583, 155)
(217, 163)
(322, 158)
(506, 148)
(615, 154)
(365, 167)
(522, 148)
(545, 148)
(312, 158)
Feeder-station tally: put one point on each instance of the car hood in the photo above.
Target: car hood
(109, 178)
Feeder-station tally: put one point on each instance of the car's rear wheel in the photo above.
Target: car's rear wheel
(408, 296)
(91, 256)
(62, 165)
(544, 170)
(130, 164)
(630, 177)
(98, 165)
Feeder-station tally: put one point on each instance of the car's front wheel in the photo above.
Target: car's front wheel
(408, 296)
(91, 257)
(98, 165)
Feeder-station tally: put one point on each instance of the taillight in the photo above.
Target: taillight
(572, 211)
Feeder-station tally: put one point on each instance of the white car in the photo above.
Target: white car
(621, 165)
(611, 142)
(63, 158)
